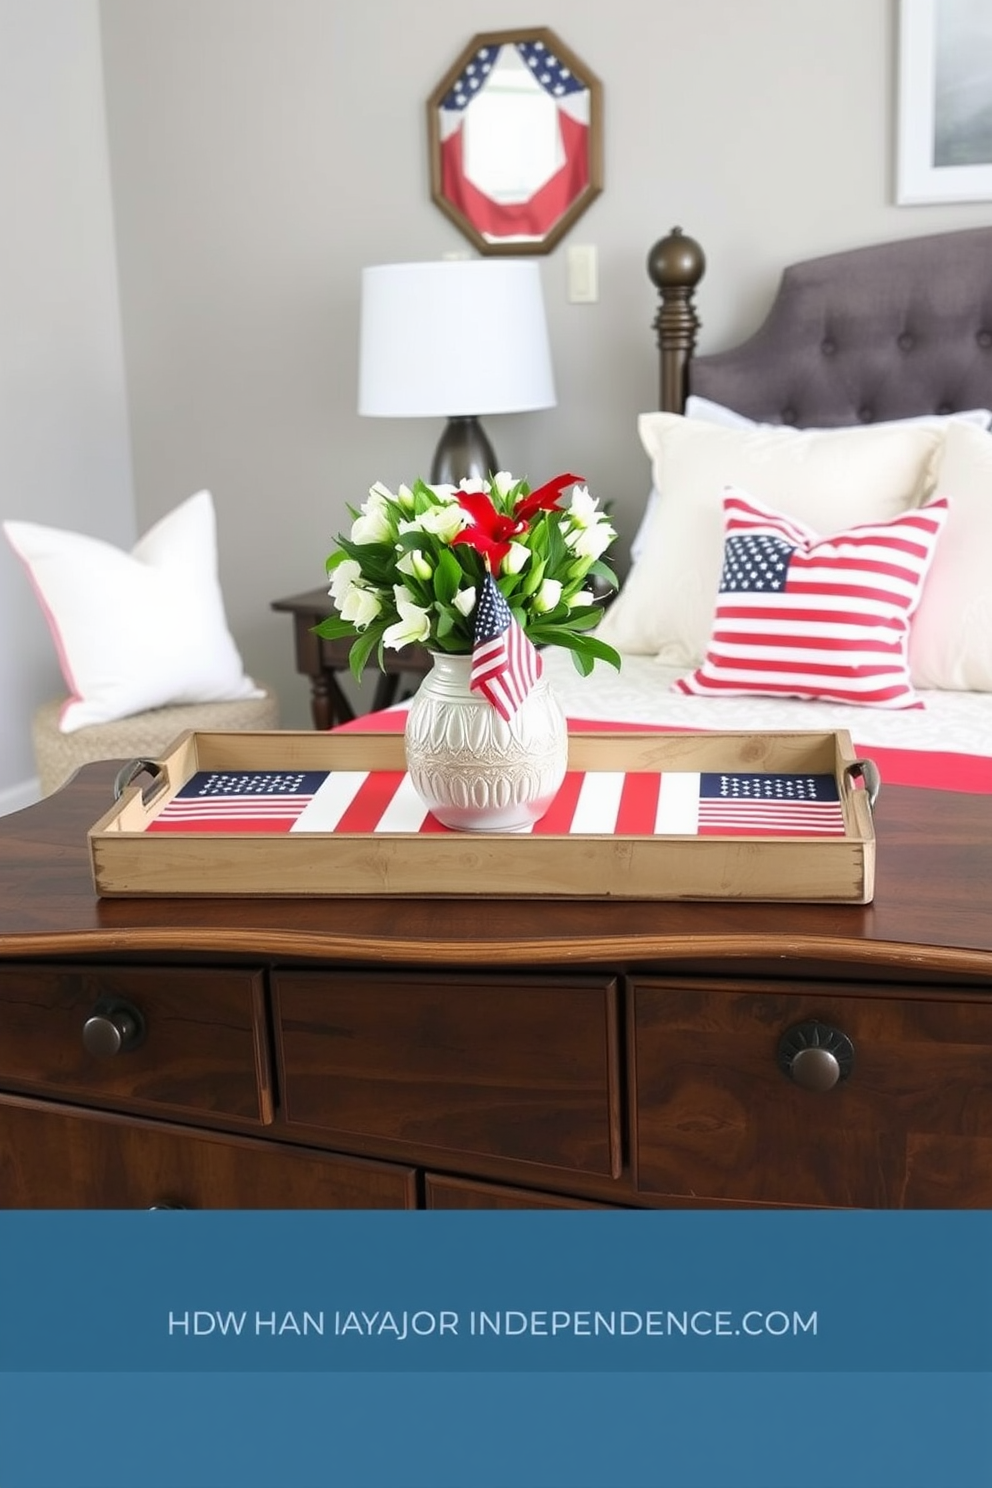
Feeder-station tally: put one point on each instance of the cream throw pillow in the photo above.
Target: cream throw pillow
(829, 479)
(950, 645)
(135, 630)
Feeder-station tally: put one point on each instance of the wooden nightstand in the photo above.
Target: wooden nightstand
(323, 661)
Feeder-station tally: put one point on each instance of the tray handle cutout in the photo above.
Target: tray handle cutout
(866, 771)
(129, 773)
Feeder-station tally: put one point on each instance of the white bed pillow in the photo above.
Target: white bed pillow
(828, 479)
(135, 630)
(950, 644)
(728, 418)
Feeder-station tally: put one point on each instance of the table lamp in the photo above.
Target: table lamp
(454, 339)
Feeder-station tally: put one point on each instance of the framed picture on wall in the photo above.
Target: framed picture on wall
(944, 143)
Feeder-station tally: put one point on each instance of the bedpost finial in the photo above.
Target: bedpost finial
(675, 265)
(676, 261)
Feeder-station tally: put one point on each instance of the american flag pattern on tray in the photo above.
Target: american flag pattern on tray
(596, 802)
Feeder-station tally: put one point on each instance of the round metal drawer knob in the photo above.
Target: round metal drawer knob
(113, 1027)
(815, 1056)
(815, 1069)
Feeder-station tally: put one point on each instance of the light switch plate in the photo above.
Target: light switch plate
(583, 274)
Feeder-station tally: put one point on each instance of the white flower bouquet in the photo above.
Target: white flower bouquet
(413, 568)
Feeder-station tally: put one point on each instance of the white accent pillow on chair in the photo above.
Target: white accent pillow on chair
(135, 630)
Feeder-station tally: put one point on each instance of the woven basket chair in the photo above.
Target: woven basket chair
(58, 755)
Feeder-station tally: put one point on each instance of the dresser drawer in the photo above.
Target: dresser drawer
(717, 1110)
(524, 1069)
(55, 1158)
(442, 1192)
(199, 1044)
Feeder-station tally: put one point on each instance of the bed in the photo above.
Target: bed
(864, 396)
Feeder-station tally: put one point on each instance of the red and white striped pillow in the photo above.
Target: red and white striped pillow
(799, 615)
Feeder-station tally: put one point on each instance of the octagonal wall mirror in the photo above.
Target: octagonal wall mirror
(516, 140)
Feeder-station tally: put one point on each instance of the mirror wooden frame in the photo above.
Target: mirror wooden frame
(442, 192)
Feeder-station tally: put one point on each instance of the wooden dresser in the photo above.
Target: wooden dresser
(257, 1053)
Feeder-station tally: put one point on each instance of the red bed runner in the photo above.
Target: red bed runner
(929, 769)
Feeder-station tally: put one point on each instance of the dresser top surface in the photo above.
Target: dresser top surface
(930, 911)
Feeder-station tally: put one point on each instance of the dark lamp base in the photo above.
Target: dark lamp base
(463, 453)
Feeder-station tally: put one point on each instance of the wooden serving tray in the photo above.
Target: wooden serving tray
(130, 859)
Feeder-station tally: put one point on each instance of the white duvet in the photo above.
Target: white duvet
(957, 722)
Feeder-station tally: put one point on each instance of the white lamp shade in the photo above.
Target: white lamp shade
(455, 338)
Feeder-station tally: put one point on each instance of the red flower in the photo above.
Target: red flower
(545, 497)
(491, 532)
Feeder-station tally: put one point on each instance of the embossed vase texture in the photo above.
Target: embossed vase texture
(476, 771)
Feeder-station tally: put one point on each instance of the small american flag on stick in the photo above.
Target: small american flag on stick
(505, 664)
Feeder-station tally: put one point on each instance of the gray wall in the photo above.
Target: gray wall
(64, 451)
(263, 151)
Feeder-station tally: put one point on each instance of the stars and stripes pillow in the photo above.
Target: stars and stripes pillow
(799, 615)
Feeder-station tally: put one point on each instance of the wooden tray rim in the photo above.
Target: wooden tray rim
(180, 760)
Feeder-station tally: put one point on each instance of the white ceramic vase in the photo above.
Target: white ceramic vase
(474, 770)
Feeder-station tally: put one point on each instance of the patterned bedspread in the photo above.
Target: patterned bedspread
(945, 745)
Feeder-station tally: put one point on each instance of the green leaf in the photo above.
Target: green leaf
(409, 541)
(575, 644)
(588, 648)
(559, 553)
(470, 562)
(333, 628)
(557, 616)
(601, 651)
(604, 571)
(508, 584)
(585, 617)
(455, 645)
(376, 560)
(363, 648)
(533, 577)
(447, 576)
(539, 540)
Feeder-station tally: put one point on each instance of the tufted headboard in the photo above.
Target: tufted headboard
(875, 333)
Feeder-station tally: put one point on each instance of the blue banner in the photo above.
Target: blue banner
(628, 1348)
(656, 1291)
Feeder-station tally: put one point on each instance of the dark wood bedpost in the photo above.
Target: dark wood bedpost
(675, 265)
